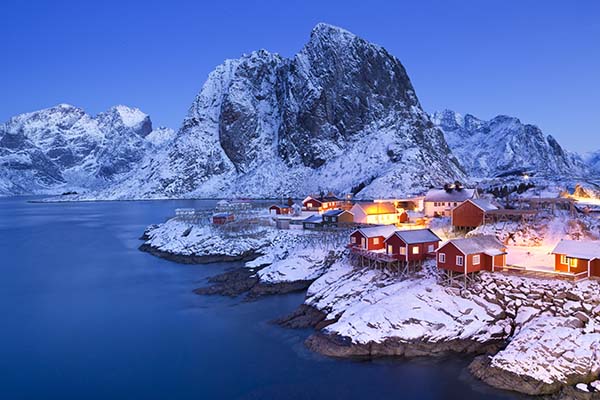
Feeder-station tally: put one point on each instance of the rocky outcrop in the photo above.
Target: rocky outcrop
(342, 114)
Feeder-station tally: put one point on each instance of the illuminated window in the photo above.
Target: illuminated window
(573, 262)
(442, 257)
(563, 259)
(476, 259)
(459, 261)
(390, 249)
(376, 240)
(403, 250)
(415, 250)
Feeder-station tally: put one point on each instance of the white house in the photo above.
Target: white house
(440, 202)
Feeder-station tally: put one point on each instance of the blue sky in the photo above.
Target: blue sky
(537, 60)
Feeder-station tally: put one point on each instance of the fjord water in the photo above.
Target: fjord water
(85, 315)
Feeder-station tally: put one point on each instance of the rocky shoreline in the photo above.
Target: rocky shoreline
(197, 259)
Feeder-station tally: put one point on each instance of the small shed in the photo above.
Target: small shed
(470, 214)
(313, 222)
(337, 217)
(372, 238)
(578, 256)
(222, 218)
(280, 209)
(412, 245)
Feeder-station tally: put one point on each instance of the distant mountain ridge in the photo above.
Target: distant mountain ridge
(64, 147)
(487, 149)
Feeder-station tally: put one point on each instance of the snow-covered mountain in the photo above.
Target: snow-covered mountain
(503, 145)
(63, 148)
(593, 160)
(341, 115)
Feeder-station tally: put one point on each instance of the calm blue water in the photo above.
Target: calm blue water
(85, 315)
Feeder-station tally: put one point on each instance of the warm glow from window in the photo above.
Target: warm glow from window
(415, 250)
(563, 259)
(403, 250)
(376, 240)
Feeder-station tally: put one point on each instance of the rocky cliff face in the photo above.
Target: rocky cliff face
(504, 144)
(62, 147)
(342, 115)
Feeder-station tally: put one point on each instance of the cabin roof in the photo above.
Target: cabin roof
(417, 236)
(222, 215)
(487, 244)
(375, 231)
(281, 205)
(314, 219)
(441, 195)
(377, 208)
(335, 213)
(585, 249)
(483, 204)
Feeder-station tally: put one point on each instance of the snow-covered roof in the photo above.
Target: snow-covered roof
(483, 204)
(487, 244)
(375, 231)
(585, 249)
(314, 219)
(335, 213)
(417, 236)
(440, 195)
(222, 214)
(377, 208)
(281, 205)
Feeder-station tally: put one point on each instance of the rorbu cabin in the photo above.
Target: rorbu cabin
(578, 257)
(440, 202)
(470, 214)
(466, 256)
(280, 209)
(313, 222)
(337, 217)
(378, 213)
(371, 238)
(222, 218)
(321, 203)
(412, 245)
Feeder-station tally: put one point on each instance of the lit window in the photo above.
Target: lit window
(573, 262)
(353, 239)
(415, 250)
(476, 259)
(563, 259)
(403, 250)
(390, 249)
(459, 261)
(442, 257)
(376, 240)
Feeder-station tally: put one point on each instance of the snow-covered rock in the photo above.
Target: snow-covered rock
(505, 145)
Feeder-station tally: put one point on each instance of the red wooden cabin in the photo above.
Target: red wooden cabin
(372, 238)
(412, 245)
(469, 214)
(479, 253)
(280, 209)
(222, 218)
(578, 256)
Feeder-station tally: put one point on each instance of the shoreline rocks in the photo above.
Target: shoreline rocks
(198, 259)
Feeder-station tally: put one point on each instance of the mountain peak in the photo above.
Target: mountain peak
(324, 29)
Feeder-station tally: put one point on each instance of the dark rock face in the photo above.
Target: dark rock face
(263, 125)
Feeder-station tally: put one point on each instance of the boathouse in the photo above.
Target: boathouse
(313, 222)
(222, 218)
(412, 245)
(371, 238)
(280, 209)
(469, 214)
(578, 257)
(337, 217)
(379, 213)
(440, 202)
(460, 258)
(321, 203)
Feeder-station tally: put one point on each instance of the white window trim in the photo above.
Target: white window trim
(563, 259)
(476, 259)
(442, 257)
(415, 250)
(376, 240)
(460, 261)
(430, 248)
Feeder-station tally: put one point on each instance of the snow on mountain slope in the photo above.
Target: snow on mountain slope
(342, 115)
(63, 148)
(503, 144)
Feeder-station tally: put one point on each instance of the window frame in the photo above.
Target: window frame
(442, 257)
(462, 261)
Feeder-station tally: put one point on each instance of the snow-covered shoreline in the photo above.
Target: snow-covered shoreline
(506, 322)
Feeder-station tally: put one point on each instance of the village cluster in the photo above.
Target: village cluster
(397, 233)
